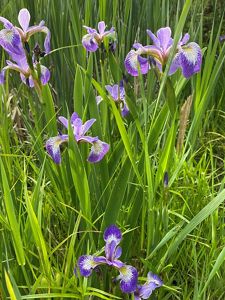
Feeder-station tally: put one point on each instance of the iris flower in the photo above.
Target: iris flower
(98, 149)
(117, 92)
(93, 39)
(128, 274)
(188, 56)
(144, 291)
(13, 40)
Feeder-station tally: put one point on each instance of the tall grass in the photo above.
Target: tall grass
(50, 215)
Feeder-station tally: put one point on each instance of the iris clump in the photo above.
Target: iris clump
(98, 149)
(93, 39)
(188, 56)
(128, 275)
(14, 40)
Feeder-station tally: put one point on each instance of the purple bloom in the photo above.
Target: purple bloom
(12, 40)
(11, 36)
(92, 40)
(222, 38)
(144, 291)
(188, 56)
(117, 92)
(98, 149)
(128, 274)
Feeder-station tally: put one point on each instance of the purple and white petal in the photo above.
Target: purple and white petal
(112, 233)
(77, 127)
(101, 27)
(110, 250)
(53, 147)
(74, 117)
(86, 264)
(152, 283)
(87, 139)
(89, 43)
(100, 260)
(45, 75)
(128, 276)
(118, 264)
(133, 62)
(190, 59)
(90, 30)
(98, 151)
(10, 41)
(24, 19)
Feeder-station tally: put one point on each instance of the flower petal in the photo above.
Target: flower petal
(190, 59)
(45, 75)
(152, 283)
(185, 39)
(98, 151)
(112, 233)
(53, 147)
(164, 36)
(64, 121)
(10, 41)
(134, 61)
(90, 30)
(86, 264)
(40, 28)
(128, 276)
(87, 125)
(101, 27)
(155, 40)
(24, 19)
(98, 99)
(124, 108)
(6, 23)
(89, 42)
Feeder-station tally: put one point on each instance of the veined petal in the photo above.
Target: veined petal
(53, 147)
(101, 27)
(87, 125)
(45, 75)
(190, 59)
(6, 23)
(24, 19)
(164, 36)
(86, 264)
(10, 40)
(98, 151)
(112, 233)
(128, 276)
(89, 42)
(133, 60)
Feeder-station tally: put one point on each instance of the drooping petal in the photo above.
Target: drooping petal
(6, 23)
(128, 276)
(40, 28)
(89, 43)
(24, 19)
(190, 59)
(152, 283)
(53, 147)
(164, 36)
(134, 61)
(112, 233)
(101, 27)
(86, 264)
(10, 41)
(87, 125)
(45, 75)
(98, 151)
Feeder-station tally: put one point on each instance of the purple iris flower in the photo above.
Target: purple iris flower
(98, 149)
(188, 57)
(117, 92)
(92, 40)
(144, 291)
(222, 38)
(128, 274)
(12, 40)
(11, 36)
